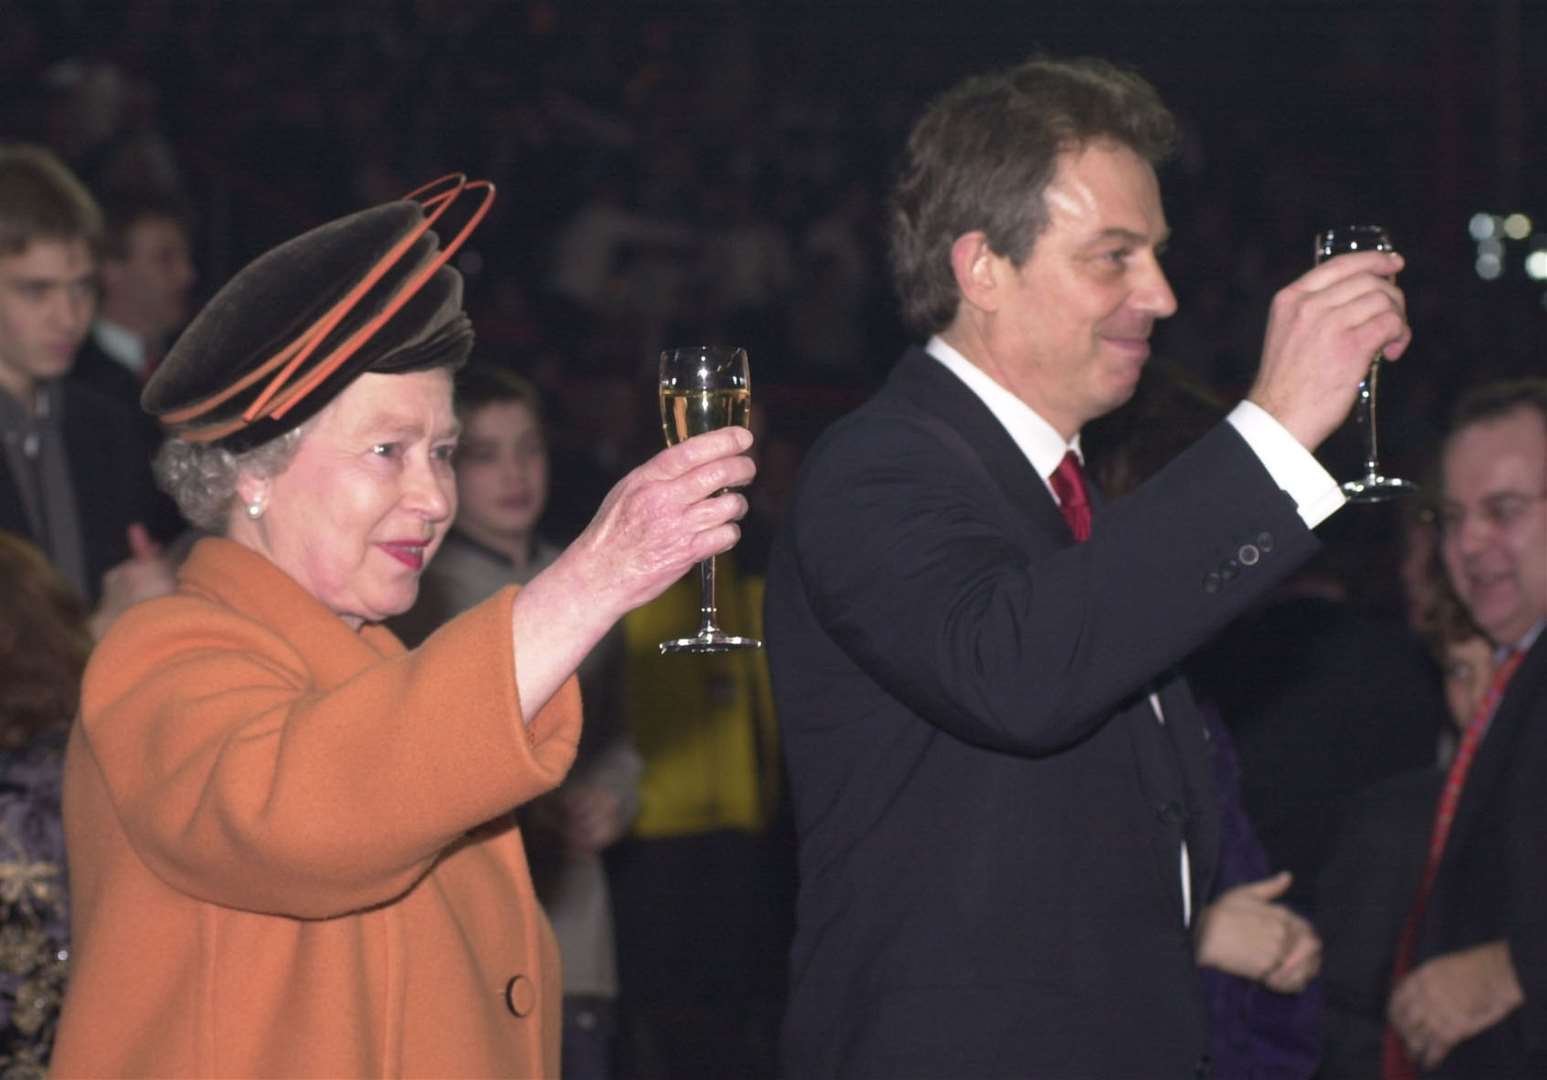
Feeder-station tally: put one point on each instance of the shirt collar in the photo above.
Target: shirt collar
(1043, 446)
(1525, 643)
(121, 344)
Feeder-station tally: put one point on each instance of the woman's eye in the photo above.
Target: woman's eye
(445, 453)
(385, 449)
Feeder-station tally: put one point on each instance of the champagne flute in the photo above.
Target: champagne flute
(1373, 486)
(703, 388)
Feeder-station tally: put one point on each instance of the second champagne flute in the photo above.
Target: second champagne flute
(1373, 486)
(702, 388)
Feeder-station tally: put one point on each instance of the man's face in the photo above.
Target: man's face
(47, 298)
(1494, 522)
(149, 288)
(1070, 333)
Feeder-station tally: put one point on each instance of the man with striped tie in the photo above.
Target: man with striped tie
(1470, 983)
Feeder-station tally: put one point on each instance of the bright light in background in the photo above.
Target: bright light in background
(1489, 267)
(1517, 226)
(1492, 249)
(1483, 226)
(1536, 265)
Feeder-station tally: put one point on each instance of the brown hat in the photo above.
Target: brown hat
(292, 329)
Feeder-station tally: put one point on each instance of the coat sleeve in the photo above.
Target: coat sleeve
(240, 783)
(1003, 635)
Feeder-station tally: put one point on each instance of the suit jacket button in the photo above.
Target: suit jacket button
(520, 995)
(1230, 570)
(1264, 542)
(1249, 554)
(1212, 581)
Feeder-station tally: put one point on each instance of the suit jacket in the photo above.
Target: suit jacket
(96, 370)
(1363, 894)
(1492, 878)
(290, 846)
(110, 469)
(990, 816)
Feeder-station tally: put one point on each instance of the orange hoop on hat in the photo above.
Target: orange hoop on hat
(277, 398)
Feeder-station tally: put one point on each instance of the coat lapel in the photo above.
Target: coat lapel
(929, 386)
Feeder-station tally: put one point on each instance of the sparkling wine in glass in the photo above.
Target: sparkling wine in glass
(703, 388)
(1373, 486)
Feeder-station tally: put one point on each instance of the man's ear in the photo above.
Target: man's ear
(973, 263)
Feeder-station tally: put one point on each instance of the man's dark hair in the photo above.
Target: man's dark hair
(123, 209)
(41, 199)
(982, 155)
(1490, 401)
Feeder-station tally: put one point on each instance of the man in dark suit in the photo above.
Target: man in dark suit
(1001, 791)
(74, 478)
(146, 275)
(1470, 986)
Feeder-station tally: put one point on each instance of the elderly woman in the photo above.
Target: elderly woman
(291, 844)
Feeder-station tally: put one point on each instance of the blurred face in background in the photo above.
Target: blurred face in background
(502, 476)
(1493, 522)
(148, 290)
(1468, 669)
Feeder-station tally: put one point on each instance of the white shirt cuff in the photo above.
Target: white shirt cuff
(1292, 466)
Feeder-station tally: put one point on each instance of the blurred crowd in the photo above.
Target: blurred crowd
(662, 182)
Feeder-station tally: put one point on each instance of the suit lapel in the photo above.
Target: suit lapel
(927, 385)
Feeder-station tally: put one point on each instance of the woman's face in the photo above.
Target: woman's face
(502, 475)
(366, 499)
(1468, 670)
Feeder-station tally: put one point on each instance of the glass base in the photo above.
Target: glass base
(709, 641)
(1374, 487)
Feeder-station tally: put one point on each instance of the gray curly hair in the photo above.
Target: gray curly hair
(202, 479)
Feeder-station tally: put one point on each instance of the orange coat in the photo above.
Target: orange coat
(277, 861)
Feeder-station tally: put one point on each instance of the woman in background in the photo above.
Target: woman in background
(44, 642)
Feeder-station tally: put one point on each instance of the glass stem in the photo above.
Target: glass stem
(707, 611)
(1367, 418)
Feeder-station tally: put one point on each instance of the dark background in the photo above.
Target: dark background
(273, 115)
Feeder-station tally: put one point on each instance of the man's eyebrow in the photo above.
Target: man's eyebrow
(1129, 238)
(33, 281)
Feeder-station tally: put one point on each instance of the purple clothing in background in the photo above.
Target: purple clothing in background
(1255, 1034)
(34, 906)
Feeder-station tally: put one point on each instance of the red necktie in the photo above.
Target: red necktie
(1395, 1064)
(1068, 481)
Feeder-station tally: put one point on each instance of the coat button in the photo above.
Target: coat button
(1249, 554)
(520, 995)
(1264, 542)
(1230, 570)
(1212, 581)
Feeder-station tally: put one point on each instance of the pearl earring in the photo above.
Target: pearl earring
(255, 509)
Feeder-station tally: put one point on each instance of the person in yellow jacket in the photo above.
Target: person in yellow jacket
(702, 886)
